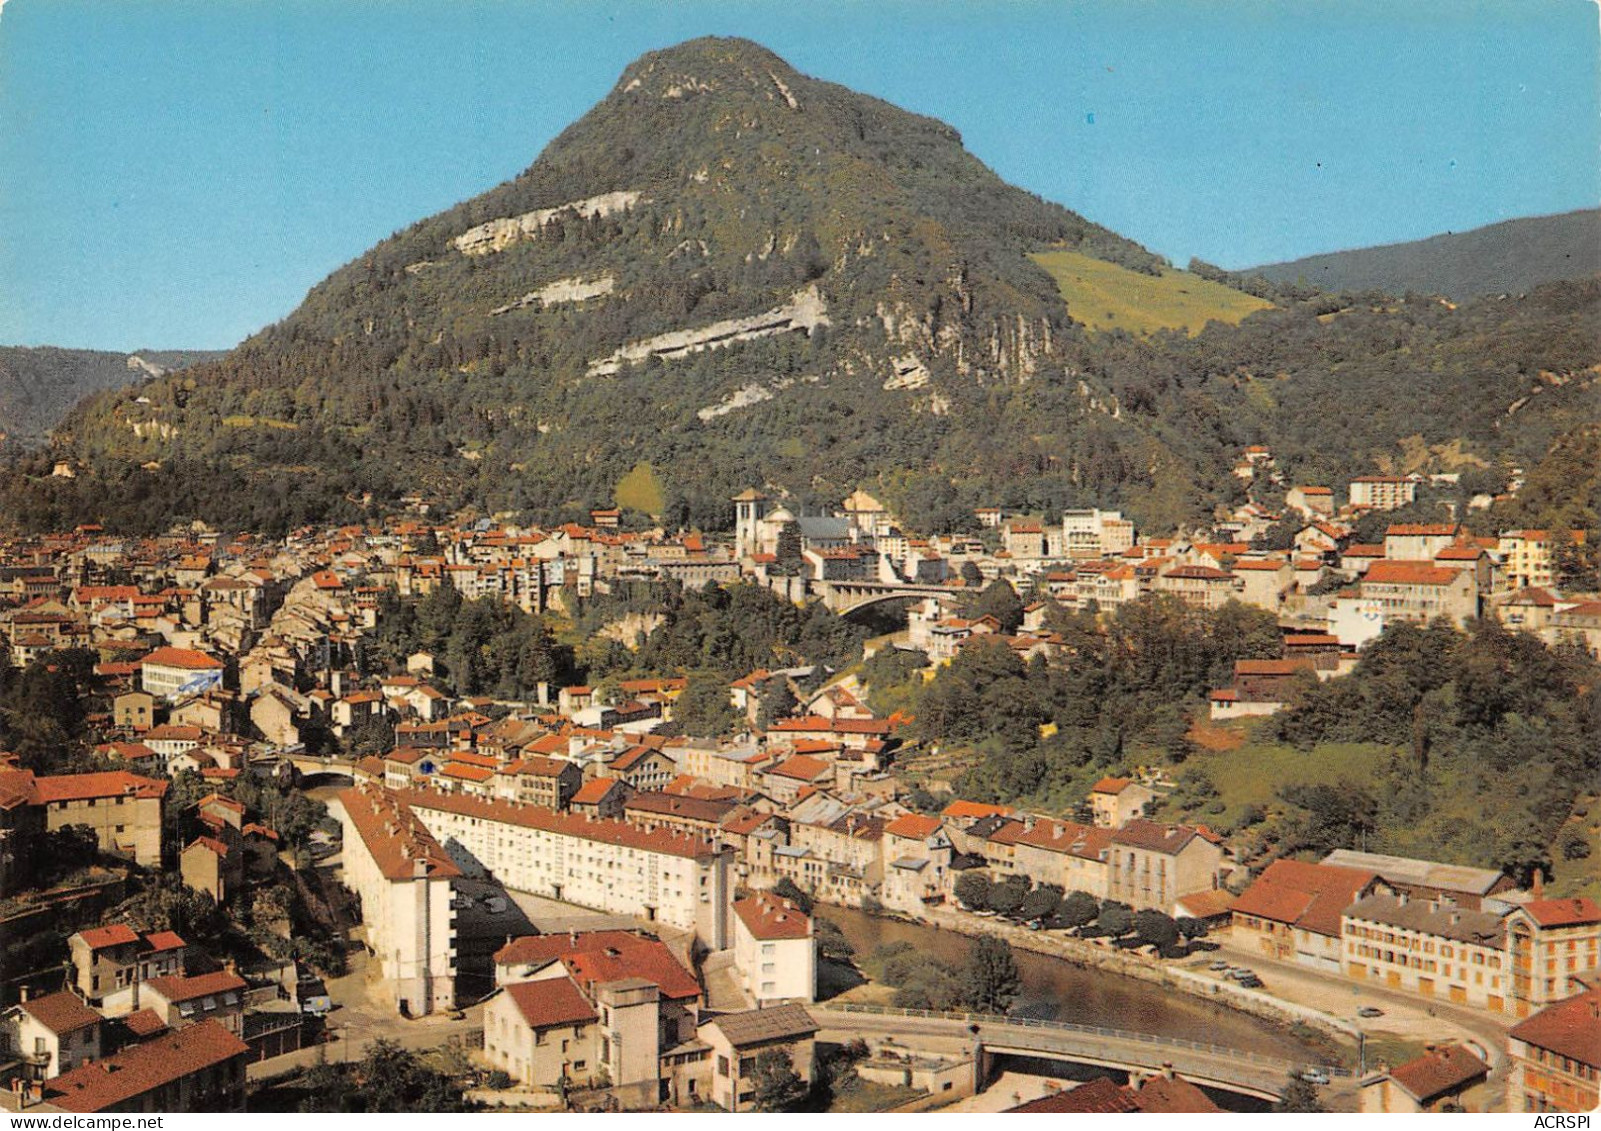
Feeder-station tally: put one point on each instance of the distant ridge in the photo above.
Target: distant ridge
(38, 385)
(1511, 257)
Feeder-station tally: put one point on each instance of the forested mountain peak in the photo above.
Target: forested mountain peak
(729, 273)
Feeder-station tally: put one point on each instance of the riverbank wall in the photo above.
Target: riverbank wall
(1086, 955)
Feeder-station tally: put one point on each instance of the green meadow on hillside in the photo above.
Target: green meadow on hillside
(1105, 296)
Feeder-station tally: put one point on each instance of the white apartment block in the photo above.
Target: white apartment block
(403, 878)
(609, 865)
(774, 950)
(1094, 533)
(1382, 492)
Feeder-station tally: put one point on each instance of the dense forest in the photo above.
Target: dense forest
(943, 368)
(1466, 747)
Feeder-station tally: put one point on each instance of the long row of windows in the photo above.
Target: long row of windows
(1551, 1060)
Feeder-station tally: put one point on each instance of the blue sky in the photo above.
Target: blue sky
(177, 173)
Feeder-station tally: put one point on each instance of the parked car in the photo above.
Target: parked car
(1370, 1011)
(1315, 1076)
(1250, 982)
(1220, 965)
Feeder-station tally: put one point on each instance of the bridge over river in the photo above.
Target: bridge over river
(317, 769)
(846, 597)
(1139, 1054)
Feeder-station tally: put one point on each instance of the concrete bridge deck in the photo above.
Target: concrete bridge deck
(1208, 1065)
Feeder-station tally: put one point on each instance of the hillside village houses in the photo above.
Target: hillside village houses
(225, 656)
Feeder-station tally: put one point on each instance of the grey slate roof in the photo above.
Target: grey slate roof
(1480, 928)
(758, 1026)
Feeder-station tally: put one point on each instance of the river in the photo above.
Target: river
(1055, 989)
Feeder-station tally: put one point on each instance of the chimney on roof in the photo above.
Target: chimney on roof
(1167, 1070)
(22, 994)
(1539, 883)
(1400, 899)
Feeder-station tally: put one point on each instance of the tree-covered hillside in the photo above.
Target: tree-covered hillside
(39, 386)
(1511, 257)
(741, 276)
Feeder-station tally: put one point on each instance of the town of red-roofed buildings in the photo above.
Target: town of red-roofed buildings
(231, 676)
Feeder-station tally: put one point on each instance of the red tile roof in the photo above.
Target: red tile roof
(1067, 837)
(1154, 837)
(117, 934)
(564, 824)
(1409, 573)
(1311, 896)
(977, 810)
(1161, 1095)
(186, 658)
(593, 791)
(143, 1068)
(913, 826)
(551, 1002)
(62, 1012)
(539, 767)
(1570, 1028)
(766, 916)
(394, 836)
(1110, 785)
(109, 783)
(144, 1023)
(183, 987)
(802, 767)
(17, 787)
(640, 958)
(548, 948)
(1563, 912)
(1438, 1072)
(1101, 1096)
(1273, 667)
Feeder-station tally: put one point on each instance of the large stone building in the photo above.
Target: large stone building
(123, 809)
(403, 879)
(1420, 591)
(1293, 912)
(1428, 947)
(1154, 866)
(1551, 946)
